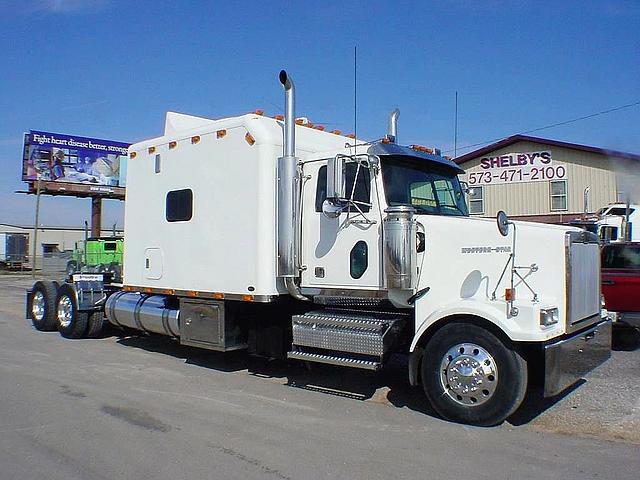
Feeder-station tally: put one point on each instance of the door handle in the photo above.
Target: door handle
(608, 282)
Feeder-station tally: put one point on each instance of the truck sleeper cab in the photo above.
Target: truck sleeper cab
(288, 241)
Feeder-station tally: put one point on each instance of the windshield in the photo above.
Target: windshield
(428, 188)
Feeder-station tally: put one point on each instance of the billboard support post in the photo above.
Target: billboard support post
(35, 228)
(96, 216)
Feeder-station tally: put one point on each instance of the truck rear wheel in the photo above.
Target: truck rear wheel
(71, 323)
(96, 324)
(470, 376)
(42, 305)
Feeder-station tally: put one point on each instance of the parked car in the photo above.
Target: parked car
(621, 281)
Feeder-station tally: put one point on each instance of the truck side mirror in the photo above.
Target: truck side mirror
(336, 185)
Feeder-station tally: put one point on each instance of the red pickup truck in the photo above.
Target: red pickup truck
(621, 281)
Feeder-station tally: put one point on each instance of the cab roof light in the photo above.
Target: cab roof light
(259, 111)
(173, 144)
(336, 132)
(319, 127)
(352, 135)
(249, 138)
(221, 133)
(279, 117)
(195, 139)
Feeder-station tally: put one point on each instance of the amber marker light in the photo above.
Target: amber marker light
(279, 117)
(510, 294)
(319, 127)
(259, 111)
(351, 135)
(336, 132)
(173, 145)
(247, 298)
(147, 290)
(192, 293)
(218, 295)
(221, 133)
(249, 138)
(195, 139)
(152, 149)
(133, 155)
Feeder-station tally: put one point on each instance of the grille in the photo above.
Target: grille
(583, 278)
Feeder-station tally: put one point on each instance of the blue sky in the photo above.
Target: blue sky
(112, 68)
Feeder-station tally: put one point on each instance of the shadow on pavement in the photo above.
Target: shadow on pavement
(625, 337)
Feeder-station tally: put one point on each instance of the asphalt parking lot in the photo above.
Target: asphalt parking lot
(135, 406)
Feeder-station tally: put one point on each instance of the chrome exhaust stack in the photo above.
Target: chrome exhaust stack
(392, 134)
(288, 195)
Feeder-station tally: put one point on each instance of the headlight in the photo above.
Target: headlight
(548, 316)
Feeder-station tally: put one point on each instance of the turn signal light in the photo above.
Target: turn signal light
(510, 294)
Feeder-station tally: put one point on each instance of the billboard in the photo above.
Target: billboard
(61, 158)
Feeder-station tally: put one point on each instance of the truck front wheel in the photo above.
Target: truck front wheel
(470, 376)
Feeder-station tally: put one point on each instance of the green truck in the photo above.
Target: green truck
(98, 254)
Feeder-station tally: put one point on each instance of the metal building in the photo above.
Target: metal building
(543, 180)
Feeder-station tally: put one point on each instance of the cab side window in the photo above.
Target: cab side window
(362, 192)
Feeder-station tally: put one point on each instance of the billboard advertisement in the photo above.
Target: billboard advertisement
(56, 157)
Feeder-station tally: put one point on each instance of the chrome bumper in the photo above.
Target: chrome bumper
(569, 359)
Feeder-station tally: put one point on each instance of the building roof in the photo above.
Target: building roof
(545, 141)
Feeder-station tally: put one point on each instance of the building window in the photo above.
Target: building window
(476, 200)
(179, 207)
(558, 192)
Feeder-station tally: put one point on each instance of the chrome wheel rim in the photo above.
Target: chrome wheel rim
(37, 306)
(65, 311)
(469, 374)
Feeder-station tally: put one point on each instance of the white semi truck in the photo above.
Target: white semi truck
(274, 236)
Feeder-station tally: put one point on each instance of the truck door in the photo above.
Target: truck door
(342, 252)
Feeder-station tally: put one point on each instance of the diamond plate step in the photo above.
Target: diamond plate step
(335, 360)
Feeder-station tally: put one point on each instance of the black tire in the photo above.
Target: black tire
(42, 305)
(72, 267)
(470, 376)
(70, 322)
(96, 324)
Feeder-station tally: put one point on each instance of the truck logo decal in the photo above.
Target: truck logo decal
(502, 249)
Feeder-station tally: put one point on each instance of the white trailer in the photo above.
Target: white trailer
(270, 235)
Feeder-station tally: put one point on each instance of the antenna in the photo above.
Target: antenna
(455, 130)
(355, 94)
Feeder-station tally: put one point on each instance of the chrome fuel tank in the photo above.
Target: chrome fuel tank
(143, 312)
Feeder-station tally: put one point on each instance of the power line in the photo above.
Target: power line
(566, 122)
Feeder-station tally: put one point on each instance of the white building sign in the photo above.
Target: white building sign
(517, 168)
